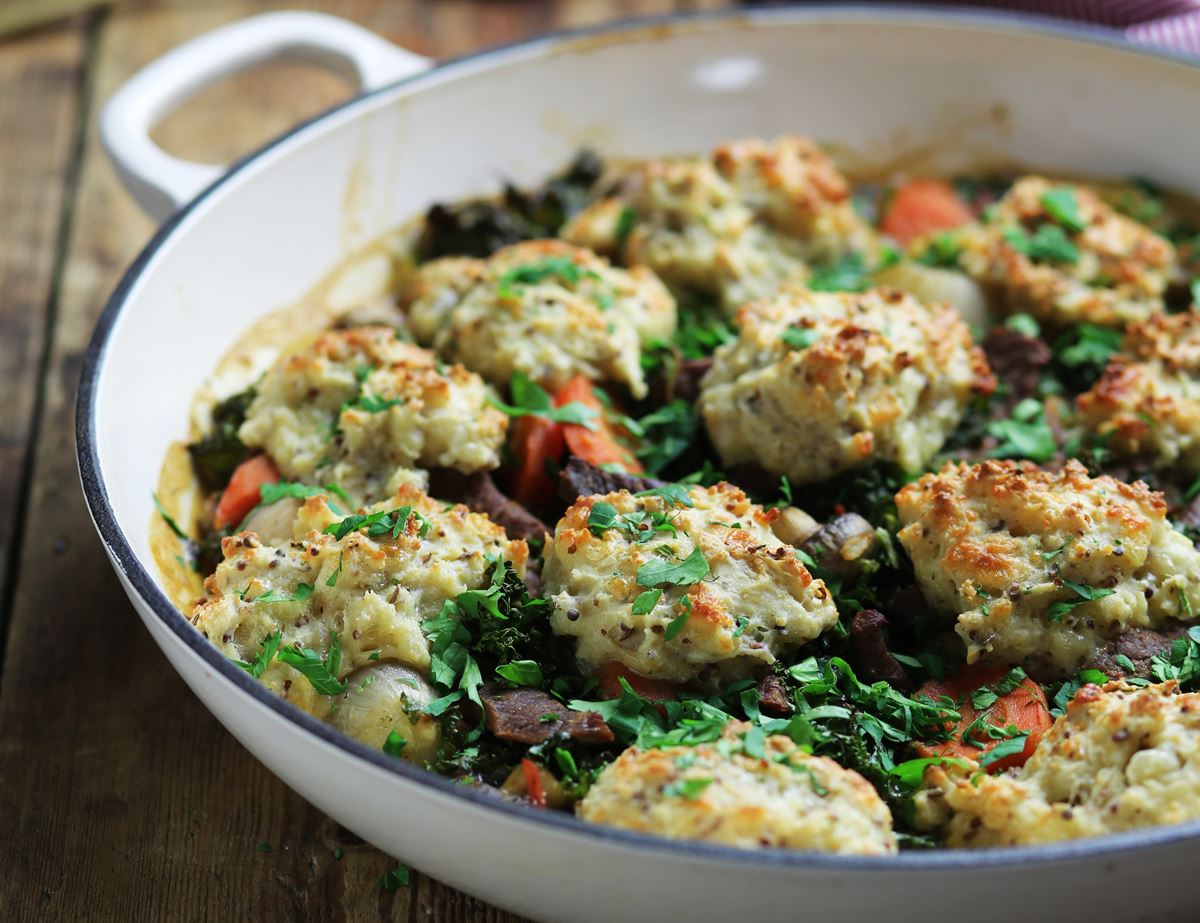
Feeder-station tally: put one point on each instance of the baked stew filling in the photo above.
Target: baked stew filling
(722, 498)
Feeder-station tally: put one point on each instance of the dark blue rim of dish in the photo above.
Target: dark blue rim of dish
(136, 573)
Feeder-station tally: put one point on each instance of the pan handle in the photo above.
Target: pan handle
(159, 182)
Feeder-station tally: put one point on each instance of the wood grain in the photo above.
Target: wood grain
(39, 114)
(120, 796)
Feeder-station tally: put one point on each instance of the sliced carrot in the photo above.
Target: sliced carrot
(609, 677)
(537, 444)
(601, 444)
(535, 792)
(244, 490)
(1024, 708)
(923, 206)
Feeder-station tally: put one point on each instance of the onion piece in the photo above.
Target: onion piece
(945, 286)
(385, 697)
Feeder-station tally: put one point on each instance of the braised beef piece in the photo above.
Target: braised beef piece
(1139, 645)
(870, 653)
(483, 496)
(907, 608)
(1017, 360)
(579, 479)
(772, 697)
(524, 716)
(680, 380)
(479, 492)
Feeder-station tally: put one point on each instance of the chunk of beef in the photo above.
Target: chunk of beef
(530, 716)
(580, 479)
(1017, 360)
(1139, 645)
(870, 651)
(483, 496)
(772, 697)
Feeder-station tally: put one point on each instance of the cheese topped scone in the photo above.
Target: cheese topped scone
(360, 407)
(544, 308)
(1060, 253)
(731, 226)
(682, 585)
(1147, 401)
(730, 792)
(365, 594)
(817, 383)
(1121, 758)
(1039, 568)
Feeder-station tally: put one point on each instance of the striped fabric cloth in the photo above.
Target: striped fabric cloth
(1173, 24)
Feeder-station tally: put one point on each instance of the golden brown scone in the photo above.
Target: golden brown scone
(359, 407)
(734, 225)
(750, 601)
(718, 793)
(998, 544)
(1121, 758)
(1147, 402)
(1120, 271)
(372, 593)
(817, 383)
(544, 308)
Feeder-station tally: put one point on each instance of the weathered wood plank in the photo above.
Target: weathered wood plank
(123, 798)
(39, 112)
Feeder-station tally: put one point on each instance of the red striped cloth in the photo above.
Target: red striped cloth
(1173, 24)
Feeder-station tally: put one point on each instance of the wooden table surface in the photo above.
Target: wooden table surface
(121, 798)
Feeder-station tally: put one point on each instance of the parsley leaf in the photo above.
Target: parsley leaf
(1008, 747)
(394, 879)
(675, 626)
(371, 403)
(395, 744)
(688, 789)
(1061, 205)
(321, 672)
(1025, 434)
(1048, 244)
(532, 400)
(800, 337)
(258, 666)
(846, 274)
(646, 601)
(1083, 593)
(657, 572)
(521, 672)
(379, 523)
(174, 526)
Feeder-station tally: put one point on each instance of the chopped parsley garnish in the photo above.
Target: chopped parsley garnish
(384, 522)
(659, 572)
(258, 666)
(395, 744)
(521, 672)
(299, 594)
(800, 337)
(264, 847)
(394, 879)
(675, 494)
(552, 267)
(333, 578)
(1011, 746)
(742, 622)
(1062, 206)
(941, 252)
(646, 601)
(666, 433)
(371, 403)
(846, 274)
(171, 523)
(1024, 325)
(531, 400)
(640, 525)
(1083, 594)
(1181, 662)
(675, 626)
(320, 671)
(688, 789)
(1048, 244)
(1025, 434)
(626, 222)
